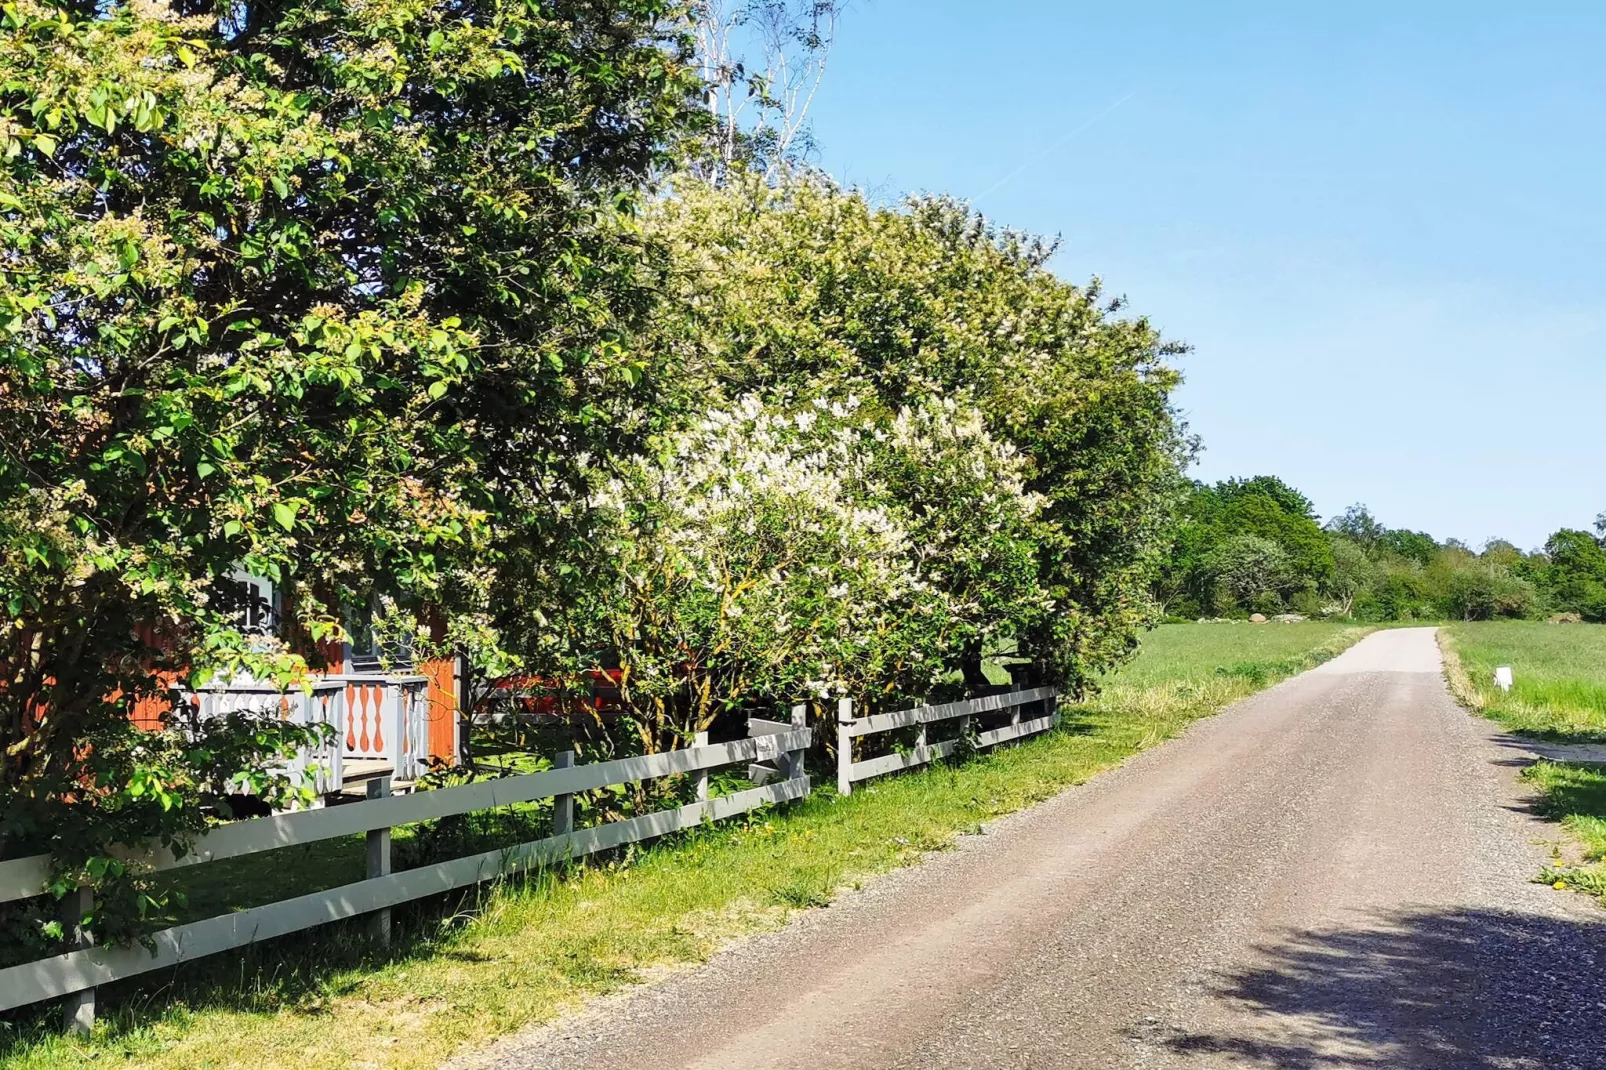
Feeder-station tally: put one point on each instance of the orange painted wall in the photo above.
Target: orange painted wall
(148, 710)
(442, 673)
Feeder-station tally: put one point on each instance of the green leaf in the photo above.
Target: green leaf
(205, 468)
(285, 515)
(45, 144)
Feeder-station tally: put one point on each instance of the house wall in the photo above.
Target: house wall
(148, 710)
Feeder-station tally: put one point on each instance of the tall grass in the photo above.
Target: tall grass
(471, 968)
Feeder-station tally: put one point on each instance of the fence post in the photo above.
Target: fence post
(379, 863)
(793, 767)
(1014, 711)
(563, 805)
(701, 740)
(1054, 706)
(844, 747)
(78, 1009)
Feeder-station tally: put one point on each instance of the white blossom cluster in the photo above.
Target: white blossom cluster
(811, 548)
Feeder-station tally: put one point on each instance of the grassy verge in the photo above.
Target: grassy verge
(1559, 696)
(528, 950)
(1560, 673)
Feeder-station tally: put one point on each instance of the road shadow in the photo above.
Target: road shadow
(1554, 747)
(1457, 990)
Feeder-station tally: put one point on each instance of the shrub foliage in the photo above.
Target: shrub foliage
(339, 294)
(390, 305)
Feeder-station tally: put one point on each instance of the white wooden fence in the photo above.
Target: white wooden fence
(773, 749)
(776, 749)
(849, 728)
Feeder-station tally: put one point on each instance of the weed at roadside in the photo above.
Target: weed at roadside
(1575, 796)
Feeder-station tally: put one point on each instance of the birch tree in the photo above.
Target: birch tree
(762, 62)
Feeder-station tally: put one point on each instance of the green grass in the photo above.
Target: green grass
(1559, 671)
(474, 968)
(1574, 795)
(1253, 651)
(1559, 695)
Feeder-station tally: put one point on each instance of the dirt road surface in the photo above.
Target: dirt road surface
(1335, 873)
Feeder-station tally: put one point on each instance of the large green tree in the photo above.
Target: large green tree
(1208, 533)
(1575, 573)
(801, 289)
(338, 292)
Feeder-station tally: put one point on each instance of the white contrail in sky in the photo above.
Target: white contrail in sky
(1051, 150)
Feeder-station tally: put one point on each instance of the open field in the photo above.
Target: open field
(1559, 695)
(1188, 652)
(1560, 672)
(526, 951)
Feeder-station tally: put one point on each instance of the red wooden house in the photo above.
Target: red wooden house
(392, 716)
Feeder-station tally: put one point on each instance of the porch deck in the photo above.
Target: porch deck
(377, 726)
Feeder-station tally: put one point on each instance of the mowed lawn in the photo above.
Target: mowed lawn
(1559, 696)
(1190, 652)
(466, 971)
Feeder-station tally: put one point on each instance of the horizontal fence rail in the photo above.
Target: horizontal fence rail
(773, 751)
(849, 728)
(774, 747)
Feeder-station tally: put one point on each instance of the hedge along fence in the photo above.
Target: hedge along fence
(773, 749)
(850, 728)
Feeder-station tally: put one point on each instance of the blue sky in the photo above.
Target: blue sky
(1381, 225)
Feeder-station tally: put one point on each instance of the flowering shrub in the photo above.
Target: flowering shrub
(1036, 502)
(752, 565)
(808, 548)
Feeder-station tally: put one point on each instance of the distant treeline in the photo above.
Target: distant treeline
(1258, 546)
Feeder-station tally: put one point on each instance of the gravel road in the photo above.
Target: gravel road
(1334, 873)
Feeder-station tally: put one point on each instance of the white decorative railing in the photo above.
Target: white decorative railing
(323, 702)
(387, 719)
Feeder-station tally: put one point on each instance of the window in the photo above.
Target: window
(249, 600)
(366, 651)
